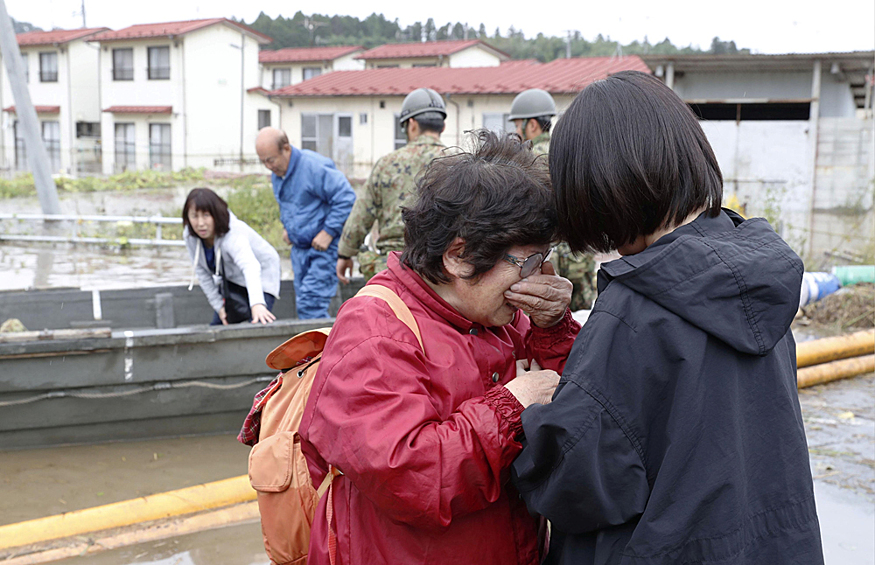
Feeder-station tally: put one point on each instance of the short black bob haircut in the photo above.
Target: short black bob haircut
(495, 197)
(628, 158)
(206, 200)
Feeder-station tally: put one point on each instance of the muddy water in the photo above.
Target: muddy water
(45, 265)
(42, 482)
(234, 545)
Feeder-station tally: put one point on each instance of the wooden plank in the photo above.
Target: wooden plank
(44, 335)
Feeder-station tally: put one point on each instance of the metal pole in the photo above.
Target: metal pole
(813, 138)
(37, 157)
(242, 92)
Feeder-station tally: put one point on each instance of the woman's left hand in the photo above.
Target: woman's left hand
(260, 314)
(543, 297)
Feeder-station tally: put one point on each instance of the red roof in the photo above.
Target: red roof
(169, 29)
(258, 90)
(427, 49)
(305, 54)
(39, 109)
(562, 76)
(140, 110)
(56, 36)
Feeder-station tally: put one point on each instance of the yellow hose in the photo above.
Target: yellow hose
(827, 372)
(154, 507)
(831, 348)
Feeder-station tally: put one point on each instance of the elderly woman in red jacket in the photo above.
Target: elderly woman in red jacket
(425, 436)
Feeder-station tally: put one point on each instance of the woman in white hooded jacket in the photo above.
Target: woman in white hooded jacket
(220, 244)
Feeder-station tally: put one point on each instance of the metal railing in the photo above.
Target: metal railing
(77, 220)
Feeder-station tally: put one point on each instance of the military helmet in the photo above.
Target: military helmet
(532, 103)
(420, 101)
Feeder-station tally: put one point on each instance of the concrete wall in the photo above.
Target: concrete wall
(767, 167)
(823, 214)
(843, 222)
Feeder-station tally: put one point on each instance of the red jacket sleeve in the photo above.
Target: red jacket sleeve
(550, 346)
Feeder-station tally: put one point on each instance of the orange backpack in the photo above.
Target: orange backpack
(277, 468)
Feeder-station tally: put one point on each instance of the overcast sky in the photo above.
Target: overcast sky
(764, 26)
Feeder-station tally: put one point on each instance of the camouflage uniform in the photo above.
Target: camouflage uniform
(579, 269)
(541, 144)
(392, 184)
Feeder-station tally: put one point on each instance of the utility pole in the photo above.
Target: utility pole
(83, 14)
(37, 157)
(568, 35)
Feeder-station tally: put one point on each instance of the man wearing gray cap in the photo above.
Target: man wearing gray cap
(392, 184)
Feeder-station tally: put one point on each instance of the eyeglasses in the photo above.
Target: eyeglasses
(530, 264)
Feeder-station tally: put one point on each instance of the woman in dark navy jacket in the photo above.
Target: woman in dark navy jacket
(675, 436)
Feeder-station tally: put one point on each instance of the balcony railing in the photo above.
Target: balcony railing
(123, 73)
(48, 76)
(159, 73)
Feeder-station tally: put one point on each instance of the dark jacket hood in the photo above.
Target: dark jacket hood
(735, 279)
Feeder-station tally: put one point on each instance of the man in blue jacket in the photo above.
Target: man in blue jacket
(315, 200)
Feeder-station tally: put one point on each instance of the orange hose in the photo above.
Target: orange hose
(827, 372)
(831, 348)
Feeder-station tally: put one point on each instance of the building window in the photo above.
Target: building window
(363, 119)
(316, 133)
(87, 129)
(796, 111)
(20, 148)
(344, 126)
(312, 72)
(386, 66)
(263, 119)
(420, 65)
(52, 141)
(123, 64)
(48, 67)
(26, 65)
(281, 78)
(497, 122)
(159, 63)
(125, 147)
(400, 135)
(159, 147)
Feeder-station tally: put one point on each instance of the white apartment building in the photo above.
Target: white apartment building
(182, 94)
(285, 67)
(453, 54)
(352, 116)
(61, 71)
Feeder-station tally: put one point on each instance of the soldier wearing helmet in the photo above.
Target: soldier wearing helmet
(392, 185)
(531, 112)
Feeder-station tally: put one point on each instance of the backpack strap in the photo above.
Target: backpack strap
(396, 304)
